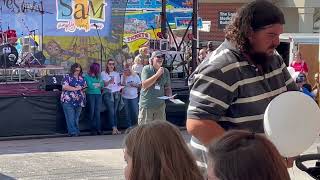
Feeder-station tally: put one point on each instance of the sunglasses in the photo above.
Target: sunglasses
(160, 57)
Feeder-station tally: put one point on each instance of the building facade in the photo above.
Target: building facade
(302, 16)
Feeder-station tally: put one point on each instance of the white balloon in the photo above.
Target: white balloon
(292, 122)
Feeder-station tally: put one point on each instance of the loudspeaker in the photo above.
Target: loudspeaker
(164, 45)
(51, 82)
(154, 44)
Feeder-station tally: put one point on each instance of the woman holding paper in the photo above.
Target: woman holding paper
(73, 98)
(112, 89)
(95, 84)
(131, 82)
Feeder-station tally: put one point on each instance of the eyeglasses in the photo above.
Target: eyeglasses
(111, 64)
(77, 70)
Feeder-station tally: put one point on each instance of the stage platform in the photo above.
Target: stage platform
(26, 110)
(14, 74)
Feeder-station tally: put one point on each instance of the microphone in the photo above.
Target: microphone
(95, 25)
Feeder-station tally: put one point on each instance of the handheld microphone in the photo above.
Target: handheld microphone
(95, 25)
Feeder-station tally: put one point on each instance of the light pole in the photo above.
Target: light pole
(164, 19)
(194, 34)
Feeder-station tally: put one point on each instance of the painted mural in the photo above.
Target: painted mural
(142, 20)
(69, 28)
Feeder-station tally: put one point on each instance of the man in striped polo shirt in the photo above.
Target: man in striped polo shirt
(232, 88)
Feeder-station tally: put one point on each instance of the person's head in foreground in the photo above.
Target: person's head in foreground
(255, 30)
(242, 155)
(157, 151)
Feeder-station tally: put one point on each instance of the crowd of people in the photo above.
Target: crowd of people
(135, 88)
(229, 92)
(300, 73)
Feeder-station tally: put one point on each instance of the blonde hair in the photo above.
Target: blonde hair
(159, 152)
(142, 49)
(138, 60)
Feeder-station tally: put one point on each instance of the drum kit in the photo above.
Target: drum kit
(11, 55)
(8, 53)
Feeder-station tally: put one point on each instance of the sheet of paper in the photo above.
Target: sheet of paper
(116, 88)
(176, 101)
(167, 97)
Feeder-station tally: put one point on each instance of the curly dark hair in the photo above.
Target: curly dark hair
(251, 18)
(73, 69)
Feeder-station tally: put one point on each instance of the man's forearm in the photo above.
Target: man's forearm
(149, 82)
(204, 130)
(168, 91)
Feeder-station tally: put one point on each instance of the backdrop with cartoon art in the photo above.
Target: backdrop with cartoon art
(66, 30)
(143, 21)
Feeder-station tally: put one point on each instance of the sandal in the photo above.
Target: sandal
(115, 131)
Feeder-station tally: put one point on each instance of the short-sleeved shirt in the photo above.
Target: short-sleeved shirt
(129, 92)
(137, 68)
(75, 98)
(227, 89)
(107, 77)
(149, 97)
(91, 81)
(300, 66)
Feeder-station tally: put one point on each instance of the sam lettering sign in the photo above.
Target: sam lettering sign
(224, 18)
(75, 15)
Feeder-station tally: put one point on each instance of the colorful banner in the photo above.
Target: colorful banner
(151, 4)
(70, 28)
(139, 23)
(183, 22)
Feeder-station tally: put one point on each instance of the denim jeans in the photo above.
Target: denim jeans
(132, 110)
(112, 108)
(94, 105)
(72, 115)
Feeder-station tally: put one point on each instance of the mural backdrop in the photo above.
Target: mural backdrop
(69, 27)
(142, 20)
(67, 30)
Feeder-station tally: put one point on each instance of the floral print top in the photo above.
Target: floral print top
(76, 98)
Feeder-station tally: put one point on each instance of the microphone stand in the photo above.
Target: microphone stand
(42, 12)
(101, 46)
(5, 64)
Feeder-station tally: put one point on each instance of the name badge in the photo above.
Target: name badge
(157, 87)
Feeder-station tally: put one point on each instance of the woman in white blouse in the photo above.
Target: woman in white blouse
(131, 82)
(111, 80)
